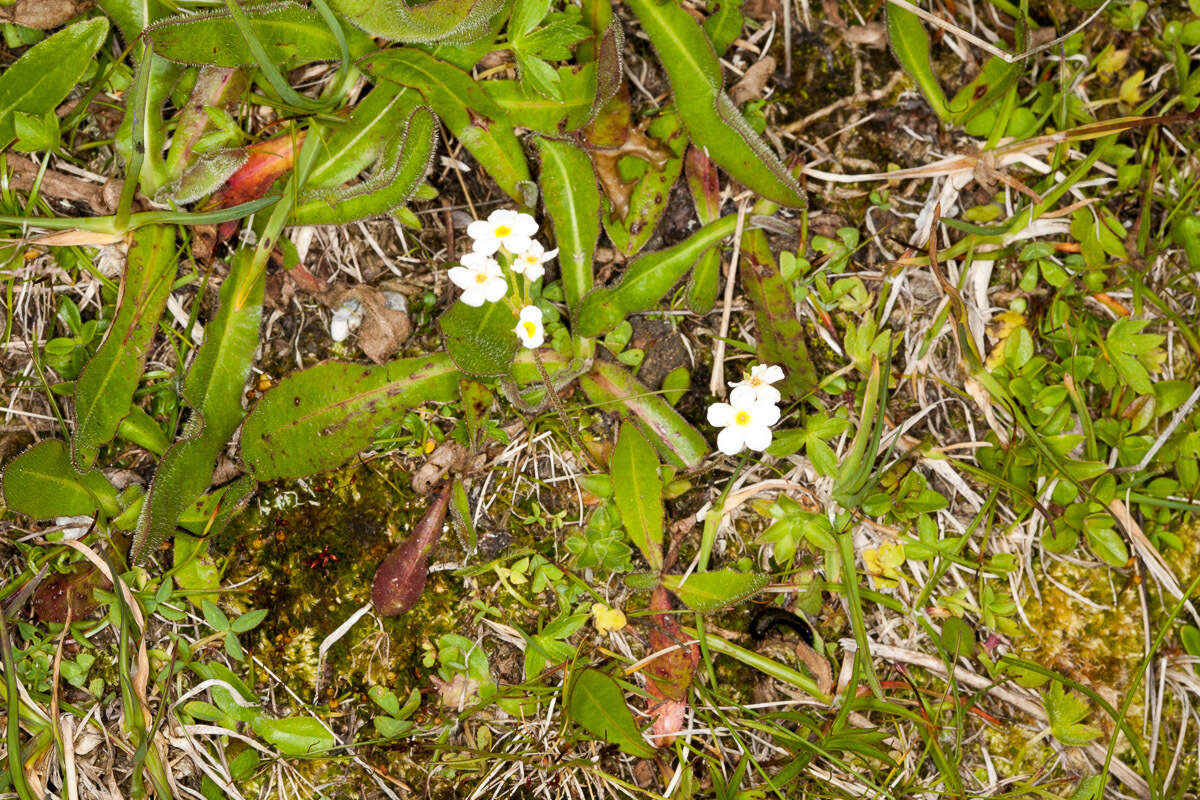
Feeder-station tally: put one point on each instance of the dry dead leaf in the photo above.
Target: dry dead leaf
(754, 81)
(383, 328)
(42, 14)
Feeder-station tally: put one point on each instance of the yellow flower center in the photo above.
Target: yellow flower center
(530, 329)
(502, 231)
(481, 277)
(742, 418)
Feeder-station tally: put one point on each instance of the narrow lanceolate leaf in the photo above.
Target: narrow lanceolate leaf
(287, 32)
(456, 20)
(470, 114)
(637, 491)
(42, 78)
(781, 335)
(598, 704)
(42, 484)
(403, 164)
(213, 390)
(614, 390)
(705, 187)
(355, 144)
(910, 46)
(709, 115)
(105, 390)
(711, 591)
(573, 203)
(318, 418)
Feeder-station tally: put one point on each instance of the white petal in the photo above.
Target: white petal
(472, 295)
(765, 414)
(339, 329)
(461, 277)
(758, 437)
(720, 415)
(531, 314)
(547, 256)
(486, 245)
(534, 271)
(772, 373)
(743, 396)
(495, 289)
(768, 394)
(525, 225)
(730, 441)
(516, 243)
(480, 229)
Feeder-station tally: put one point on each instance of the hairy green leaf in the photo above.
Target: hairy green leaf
(637, 491)
(213, 390)
(459, 101)
(573, 203)
(711, 591)
(481, 340)
(453, 20)
(352, 146)
(105, 389)
(318, 418)
(287, 32)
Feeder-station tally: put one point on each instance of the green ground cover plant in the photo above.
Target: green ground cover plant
(547, 398)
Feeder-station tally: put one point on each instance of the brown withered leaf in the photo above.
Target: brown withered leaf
(383, 329)
(42, 14)
(449, 456)
(611, 137)
(753, 81)
(68, 594)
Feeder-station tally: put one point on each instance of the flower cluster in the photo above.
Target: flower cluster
(504, 240)
(751, 411)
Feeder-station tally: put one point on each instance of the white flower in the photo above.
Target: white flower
(480, 278)
(529, 327)
(502, 227)
(346, 317)
(747, 421)
(760, 380)
(529, 261)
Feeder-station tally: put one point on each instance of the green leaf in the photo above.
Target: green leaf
(456, 20)
(480, 339)
(650, 195)
(42, 483)
(538, 112)
(403, 164)
(1107, 543)
(1065, 711)
(637, 491)
(526, 15)
(724, 25)
(214, 616)
(249, 621)
(957, 638)
(385, 698)
(195, 571)
(910, 46)
(287, 32)
(390, 728)
(213, 389)
(294, 736)
(711, 118)
(43, 77)
(710, 591)
(573, 203)
(598, 704)
(318, 418)
(614, 389)
(352, 146)
(460, 102)
(105, 389)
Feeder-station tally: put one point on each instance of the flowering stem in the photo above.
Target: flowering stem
(712, 521)
(556, 402)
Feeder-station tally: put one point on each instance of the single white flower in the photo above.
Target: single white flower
(480, 278)
(530, 260)
(502, 227)
(760, 380)
(746, 420)
(529, 328)
(345, 318)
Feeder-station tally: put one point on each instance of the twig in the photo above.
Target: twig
(716, 384)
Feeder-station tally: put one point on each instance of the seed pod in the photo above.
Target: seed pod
(400, 579)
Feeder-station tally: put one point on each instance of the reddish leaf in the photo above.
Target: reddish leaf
(268, 160)
(669, 677)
